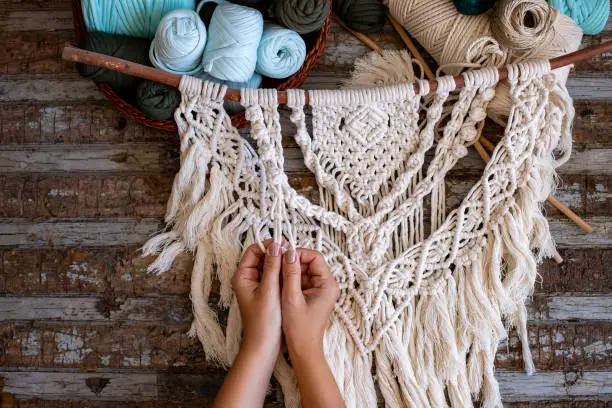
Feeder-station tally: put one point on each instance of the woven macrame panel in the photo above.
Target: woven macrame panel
(422, 308)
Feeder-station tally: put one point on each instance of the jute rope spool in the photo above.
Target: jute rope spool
(512, 31)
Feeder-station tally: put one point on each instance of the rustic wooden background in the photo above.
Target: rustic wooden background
(81, 187)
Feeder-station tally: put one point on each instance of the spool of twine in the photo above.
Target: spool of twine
(121, 46)
(179, 43)
(457, 41)
(233, 38)
(366, 16)
(126, 17)
(301, 16)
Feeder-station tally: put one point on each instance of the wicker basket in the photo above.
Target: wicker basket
(315, 42)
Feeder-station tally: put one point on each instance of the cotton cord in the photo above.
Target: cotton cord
(281, 52)
(471, 7)
(133, 18)
(120, 46)
(525, 26)
(590, 15)
(301, 16)
(157, 101)
(458, 41)
(234, 35)
(367, 16)
(179, 43)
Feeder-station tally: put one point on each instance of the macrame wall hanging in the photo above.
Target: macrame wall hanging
(424, 301)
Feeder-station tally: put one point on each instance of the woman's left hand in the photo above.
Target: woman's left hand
(256, 283)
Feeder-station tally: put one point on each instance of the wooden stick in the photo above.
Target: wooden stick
(408, 43)
(361, 37)
(551, 199)
(74, 54)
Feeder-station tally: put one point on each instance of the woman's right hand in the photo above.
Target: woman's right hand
(308, 295)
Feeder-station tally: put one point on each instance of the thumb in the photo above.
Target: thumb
(271, 267)
(292, 273)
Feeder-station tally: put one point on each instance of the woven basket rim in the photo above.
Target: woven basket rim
(238, 120)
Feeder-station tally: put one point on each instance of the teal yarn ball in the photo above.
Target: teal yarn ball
(301, 16)
(120, 46)
(233, 37)
(253, 82)
(179, 43)
(366, 16)
(281, 52)
(127, 17)
(472, 7)
(157, 101)
(590, 15)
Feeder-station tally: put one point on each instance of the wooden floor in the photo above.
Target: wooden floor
(82, 187)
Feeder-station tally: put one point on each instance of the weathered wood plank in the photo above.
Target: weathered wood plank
(35, 52)
(163, 157)
(117, 270)
(24, 233)
(205, 403)
(122, 272)
(39, 344)
(23, 20)
(47, 90)
(176, 309)
(138, 385)
(93, 158)
(99, 122)
(67, 195)
(74, 123)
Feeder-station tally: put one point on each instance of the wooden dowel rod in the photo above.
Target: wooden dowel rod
(74, 54)
(575, 218)
(408, 43)
(367, 41)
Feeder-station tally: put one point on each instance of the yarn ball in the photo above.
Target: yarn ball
(472, 7)
(120, 46)
(253, 82)
(367, 16)
(590, 15)
(301, 16)
(179, 43)
(126, 17)
(231, 50)
(260, 5)
(158, 101)
(281, 52)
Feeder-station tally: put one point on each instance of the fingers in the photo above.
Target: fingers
(316, 265)
(271, 266)
(292, 273)
(252, 257)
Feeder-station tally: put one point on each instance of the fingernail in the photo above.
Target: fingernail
(274, 249)
(290, 256)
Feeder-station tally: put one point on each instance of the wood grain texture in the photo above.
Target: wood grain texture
(122, 272)
(82, 325)
(68, 344)
(138, 385)
(23, 233)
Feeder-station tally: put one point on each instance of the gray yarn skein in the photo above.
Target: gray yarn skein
(301, 16)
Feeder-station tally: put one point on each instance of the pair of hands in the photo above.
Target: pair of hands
(291, 293)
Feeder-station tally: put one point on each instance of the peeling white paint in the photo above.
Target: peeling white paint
(143, 361)
(69, 347)
(54, 192)
(30, 346)
(599, 347)
(80, 271)
(558, 337)
(601, 194)
(105, 360)
(126, 276)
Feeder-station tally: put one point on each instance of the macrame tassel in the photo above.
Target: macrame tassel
(205, 324)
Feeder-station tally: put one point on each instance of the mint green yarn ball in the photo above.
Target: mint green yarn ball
(590, 15)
